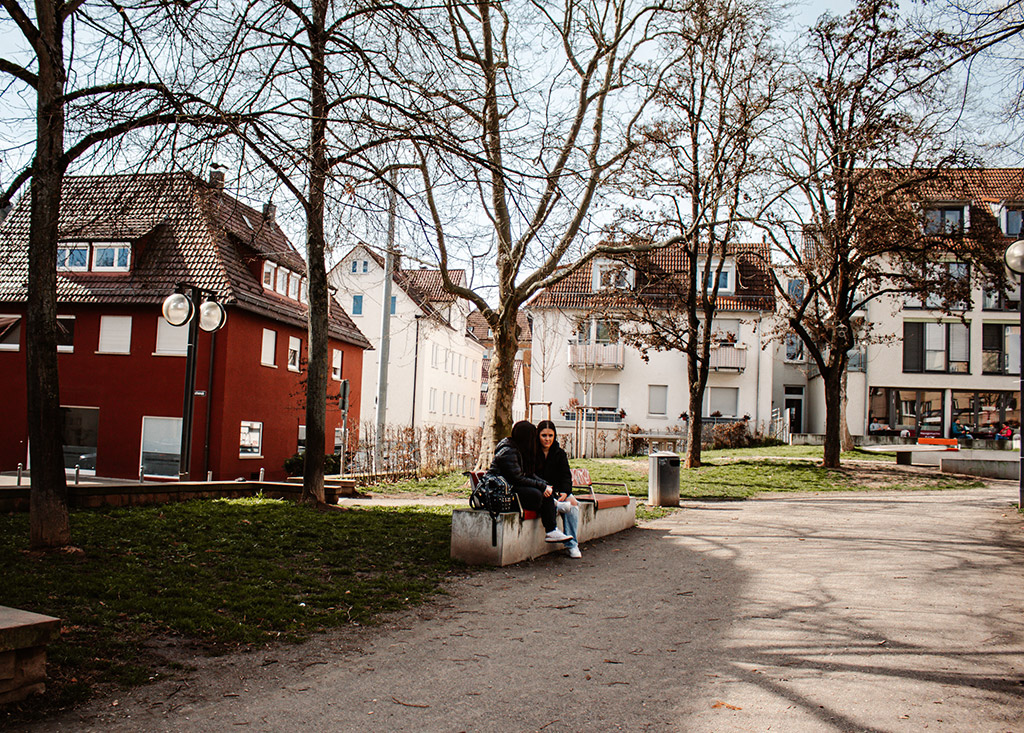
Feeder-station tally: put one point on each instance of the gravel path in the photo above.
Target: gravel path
(826, 612)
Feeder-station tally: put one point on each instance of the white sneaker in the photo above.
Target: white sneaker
(574, 553)
(556, 535)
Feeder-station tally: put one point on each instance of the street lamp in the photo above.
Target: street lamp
(179, 309)
(1014, 258)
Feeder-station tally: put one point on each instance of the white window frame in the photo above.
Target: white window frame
(294, 353)
(652, 390)
(66, 248)
(268, 348)
(117, 247)
(115, 335)
(269, 275)
(17, 326)
(336, 363)
(281, 286)
(293, 286)
(246, 430)
(67, 348)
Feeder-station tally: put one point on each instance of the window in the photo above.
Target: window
(294, 350)
(303, 291)
(269, 271)
(282, 281)
(161, 446)
(171, 340)
(355, 266)
(269, 345)
(115, 335)
(433, 399)
(722, 401)
(953, 271)
(293, 287)
(366, 265)
(795, 290)
(726, 278)
(657, 399)
(725, 330)
(613, 275)
(606, 331)
(10, 333)
(336, 357)
(250, 443)
(1000, 348)
(357, 305)
(74, 257)
(394, 303)
(601, 395)
(1013, 222)
(65, 334)
(113, 257)
(944, 220)
(339, 440)
(794, 347)
(936, 347)
(301, 443)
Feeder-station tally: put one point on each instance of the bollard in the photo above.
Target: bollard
(142, 472)
(261, 475)
(209, 476)
(78, 470)
(20, 466)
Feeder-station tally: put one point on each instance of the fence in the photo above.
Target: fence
(407, 452)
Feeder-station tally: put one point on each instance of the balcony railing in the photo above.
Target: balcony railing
(728, 356)
(597, 356)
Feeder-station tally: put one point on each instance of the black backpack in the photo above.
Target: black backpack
(494, 495)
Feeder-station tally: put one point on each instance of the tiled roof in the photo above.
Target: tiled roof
(754, 290)
(973, 184)
(477, 326)
(181, 230)
(425, 287)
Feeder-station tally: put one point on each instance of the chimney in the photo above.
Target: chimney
(216, 178)
(269, 212)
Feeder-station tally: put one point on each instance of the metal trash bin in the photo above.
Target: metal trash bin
(663, 479)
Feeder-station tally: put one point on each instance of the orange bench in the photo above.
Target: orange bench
(950, 443)
(581, 480)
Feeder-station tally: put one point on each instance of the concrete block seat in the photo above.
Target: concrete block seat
(23, 639)
(519, 535)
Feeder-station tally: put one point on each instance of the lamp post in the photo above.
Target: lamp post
(1014, 258)
(179, 309)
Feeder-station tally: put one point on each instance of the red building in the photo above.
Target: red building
(126, 243)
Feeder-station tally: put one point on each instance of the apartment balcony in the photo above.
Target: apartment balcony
(596, 356)
(728, 356)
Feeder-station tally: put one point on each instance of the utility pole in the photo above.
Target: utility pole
(383, 352)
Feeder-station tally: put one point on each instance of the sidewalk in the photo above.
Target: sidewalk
(876, 611)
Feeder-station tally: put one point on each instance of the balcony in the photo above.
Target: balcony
(728, 356)
(596, 356)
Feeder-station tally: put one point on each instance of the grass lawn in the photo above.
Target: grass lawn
(216, 575)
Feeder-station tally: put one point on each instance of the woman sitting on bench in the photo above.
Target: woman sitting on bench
(515, 455)
(553, 467)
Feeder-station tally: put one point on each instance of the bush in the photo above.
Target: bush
(297, 464)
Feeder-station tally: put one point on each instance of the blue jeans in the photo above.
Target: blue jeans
(571, 520)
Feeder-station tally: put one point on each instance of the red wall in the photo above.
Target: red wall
(127, 387)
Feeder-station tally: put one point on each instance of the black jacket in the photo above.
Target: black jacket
(555, 470)
(508, 463)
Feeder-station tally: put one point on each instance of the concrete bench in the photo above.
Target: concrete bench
(904, 452)
(23, 639)
(519, 535)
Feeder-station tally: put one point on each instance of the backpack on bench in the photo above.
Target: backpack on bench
(494, 495)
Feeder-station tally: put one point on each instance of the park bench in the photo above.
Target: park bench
(581, 480)
(23, 640)
(923, 445)
(519, 535)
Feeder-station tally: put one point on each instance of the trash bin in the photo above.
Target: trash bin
(663, 479)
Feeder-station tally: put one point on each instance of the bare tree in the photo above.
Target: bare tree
(700, 165)
(549, 97)
(863, 149)
(104, 89)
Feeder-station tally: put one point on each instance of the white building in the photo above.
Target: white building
(577, 360)
(932, 368)
(434, 363)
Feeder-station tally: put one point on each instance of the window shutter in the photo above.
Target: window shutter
(115, 334)
(913, 347)
(959, 342)
(269, 345)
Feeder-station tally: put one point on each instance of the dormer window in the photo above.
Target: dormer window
(726, 278)
(944, 219)
(269, 272)
(282, 281)
(609, 275)
(293, 287)
(94, 256)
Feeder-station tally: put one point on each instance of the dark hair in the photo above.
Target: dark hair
(546, 425)
(524, 435)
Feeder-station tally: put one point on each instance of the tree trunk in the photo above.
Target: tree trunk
(316, 368)
(500, 389)
(845, 438)
(694, 426)
(48, 505)
(833, 383)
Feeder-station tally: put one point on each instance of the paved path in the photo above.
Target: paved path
(831, 612)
